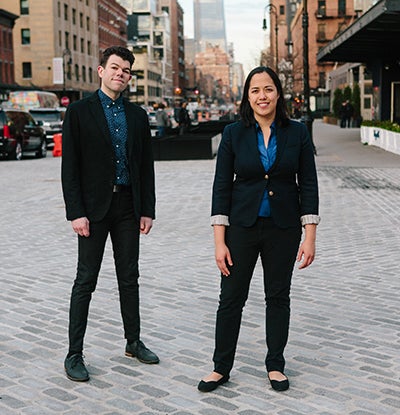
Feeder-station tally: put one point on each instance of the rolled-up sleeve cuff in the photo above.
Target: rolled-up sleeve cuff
(220, 220)
(310, 220)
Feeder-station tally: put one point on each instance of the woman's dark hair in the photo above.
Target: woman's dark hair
(124, 53)
(245, 110)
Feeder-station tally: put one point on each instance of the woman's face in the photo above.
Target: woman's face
(263, 96)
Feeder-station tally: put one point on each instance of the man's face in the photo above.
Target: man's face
(114, 76)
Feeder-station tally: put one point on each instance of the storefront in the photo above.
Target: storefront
(374, 39)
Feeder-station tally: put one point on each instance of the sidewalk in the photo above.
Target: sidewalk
(343, 356)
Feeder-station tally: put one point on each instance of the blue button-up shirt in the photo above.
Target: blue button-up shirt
(268, 157)
(118, 127)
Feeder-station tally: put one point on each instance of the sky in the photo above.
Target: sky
(243, 21)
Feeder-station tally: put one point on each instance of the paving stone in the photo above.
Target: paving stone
(343, 354)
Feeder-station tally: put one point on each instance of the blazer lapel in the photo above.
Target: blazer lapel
(98, 114)
(281, 140)
(131, 123)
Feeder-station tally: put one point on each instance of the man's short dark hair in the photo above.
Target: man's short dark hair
(124, 53)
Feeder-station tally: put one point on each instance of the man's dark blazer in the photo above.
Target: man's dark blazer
(240, 178)
(88, 169)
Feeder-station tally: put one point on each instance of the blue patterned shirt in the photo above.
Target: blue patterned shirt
(268, 157)
(118, 127)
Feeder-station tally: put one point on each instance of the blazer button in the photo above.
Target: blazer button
(266, 177)
(271, 193)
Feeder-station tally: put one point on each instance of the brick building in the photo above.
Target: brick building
(7, 80)
(213, 73)
(112, 24)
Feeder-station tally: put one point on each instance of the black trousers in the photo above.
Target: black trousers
(123, 228)
(278, 250)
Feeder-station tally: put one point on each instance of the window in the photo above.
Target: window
(90, 75)
(367, 103)
(89, 47)
(82, 45)
(342, 7)
(73, 16)
(65, 11)
(58, 9)
(81, 20)
(321, 8)
(26, 69)
(59, 39)
(322, 31)
(282, 10)
(66, 40)
(75, 42)
(87, 23)
(84, 73)
(322, 80)
(76, 72)
(24, 6)
(25, 36)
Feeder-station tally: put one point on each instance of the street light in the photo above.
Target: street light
(273, 10)
(306, 76)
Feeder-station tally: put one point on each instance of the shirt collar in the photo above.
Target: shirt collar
(107, 101)
(273, 127)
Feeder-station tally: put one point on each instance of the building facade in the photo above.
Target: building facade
(7, 80)
(213, 74)
(112, 19)
(209, 24)
(56, 45)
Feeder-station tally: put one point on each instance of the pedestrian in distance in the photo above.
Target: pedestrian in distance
(349, 112)
(183, 118)
(162, 120)
(108, 188)
(265, 193)
(342, 115)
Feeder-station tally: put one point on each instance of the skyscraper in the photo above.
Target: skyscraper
(209, 24)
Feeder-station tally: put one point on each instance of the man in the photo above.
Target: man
(162, 120)
(183, 119)
(108, 187)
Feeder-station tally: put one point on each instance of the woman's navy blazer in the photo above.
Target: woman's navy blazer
(88, 160)
(240, 179)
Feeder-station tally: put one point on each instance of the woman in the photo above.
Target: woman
(265, 190)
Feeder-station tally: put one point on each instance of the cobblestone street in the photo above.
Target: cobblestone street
(343, 355)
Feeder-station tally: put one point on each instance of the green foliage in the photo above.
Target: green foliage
(386, 125)
(337, 102)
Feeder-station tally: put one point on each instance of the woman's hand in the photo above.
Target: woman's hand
(307, 247)
(223, 258)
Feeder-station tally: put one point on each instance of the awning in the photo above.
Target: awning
(375, 35)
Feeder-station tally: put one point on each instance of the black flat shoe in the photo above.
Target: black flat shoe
(279, 385)
(212, 384)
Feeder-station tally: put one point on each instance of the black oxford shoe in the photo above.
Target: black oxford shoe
(75, 368)
(141, 352)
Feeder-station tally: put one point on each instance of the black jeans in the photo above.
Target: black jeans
(278, 249)
(123, 228)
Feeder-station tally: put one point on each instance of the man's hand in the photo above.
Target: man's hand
(81, 226)
(145, 225)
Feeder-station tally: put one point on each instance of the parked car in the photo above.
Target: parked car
(20, 135)
(50, 119)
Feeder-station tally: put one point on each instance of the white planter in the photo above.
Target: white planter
(385, 139)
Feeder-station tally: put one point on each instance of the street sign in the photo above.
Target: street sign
(64, 101)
